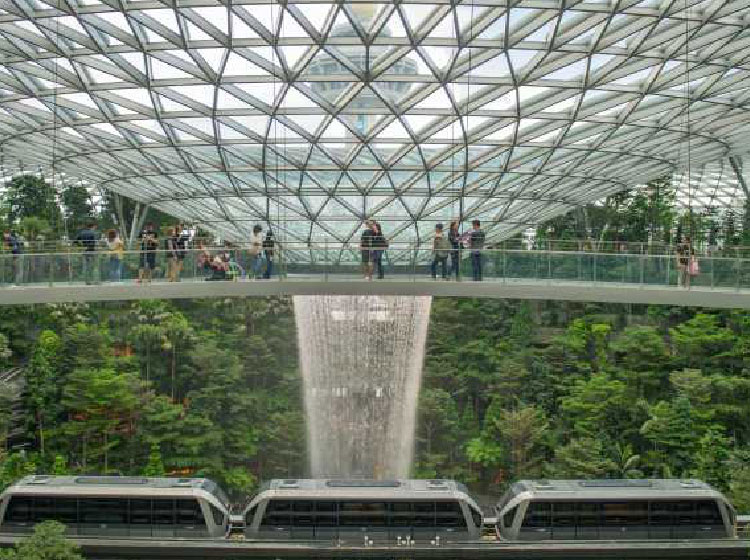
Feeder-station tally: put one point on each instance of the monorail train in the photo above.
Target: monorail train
(535, 510)
(117, 506)
(364, 511)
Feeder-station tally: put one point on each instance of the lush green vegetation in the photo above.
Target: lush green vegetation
(46, 543)
(511, 389)
(520, 389)
(195, 387)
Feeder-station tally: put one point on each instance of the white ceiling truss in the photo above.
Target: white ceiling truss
(311, 116)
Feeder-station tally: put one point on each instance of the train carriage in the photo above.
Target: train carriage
(117, 506)
(361, 511)
(535, 510)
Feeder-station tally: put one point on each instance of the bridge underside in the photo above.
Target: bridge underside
(610, 292)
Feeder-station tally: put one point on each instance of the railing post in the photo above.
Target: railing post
(643, 266)
(325, 260)
(51, 269)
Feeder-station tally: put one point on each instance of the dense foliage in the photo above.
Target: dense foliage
(46, 543)
(511, 389)
(571, 390)
(207, 388)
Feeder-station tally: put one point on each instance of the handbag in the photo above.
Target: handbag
(694, 268)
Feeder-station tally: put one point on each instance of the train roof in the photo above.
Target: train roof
(614, 488)
(340, 486)
(116, 486)
(113, 481)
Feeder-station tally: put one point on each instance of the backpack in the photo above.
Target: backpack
(443, 247)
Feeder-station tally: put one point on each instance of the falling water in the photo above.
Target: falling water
(361, 362)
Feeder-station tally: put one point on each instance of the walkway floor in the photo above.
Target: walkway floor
(348, 284)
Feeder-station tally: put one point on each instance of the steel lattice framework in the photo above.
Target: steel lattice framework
(311, 116)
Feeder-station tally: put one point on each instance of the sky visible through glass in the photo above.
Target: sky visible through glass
(311, 116)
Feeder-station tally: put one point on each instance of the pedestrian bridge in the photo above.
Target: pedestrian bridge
(513, 274)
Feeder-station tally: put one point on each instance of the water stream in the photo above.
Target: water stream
(361, 359)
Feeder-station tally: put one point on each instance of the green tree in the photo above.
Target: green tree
(155, 466)
(43, 387)
(31, 196)
(102, 405)
(46, 543)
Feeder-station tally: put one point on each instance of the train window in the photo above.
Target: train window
(684, 512)
(401, 514)
(476, 517)
(217, 514)
(277, 514)
(589, 514)
(660, 513)
(19, 509)
(44, 508)
(303, 516)
(250, 516)
(362, 513)
(563, 514)
(189, 513)
(449, 514)
(163, 512)
(103, 510)
(424, 514)
(325, 514)
(708, 513)
(140, 512)
(538, 514)
(509, 516)
(66, 510)
(625, 513)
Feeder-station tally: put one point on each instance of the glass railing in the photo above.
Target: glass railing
(568, 245)
(326, 262)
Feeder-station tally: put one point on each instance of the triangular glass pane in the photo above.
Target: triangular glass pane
(263, 92)
(316, 14)
(395, 130)
(241, 30)
(240, 66)
(290, 27)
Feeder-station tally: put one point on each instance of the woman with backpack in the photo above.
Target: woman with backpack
(441, 248)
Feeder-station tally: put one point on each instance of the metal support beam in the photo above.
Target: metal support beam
(736, 163)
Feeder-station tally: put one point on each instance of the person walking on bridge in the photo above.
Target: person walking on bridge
(441, 248)
(87, 238)
(365, 248)
(476, 244)
(379, 245)
(455, 240)
(256, 250)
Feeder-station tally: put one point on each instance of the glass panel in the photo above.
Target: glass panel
(625, 513)
(564, 514)
(19, 509)
(163, 513)
(140, 512)
(538, 514)
(189, 513)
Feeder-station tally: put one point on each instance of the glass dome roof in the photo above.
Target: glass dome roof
(311, 116)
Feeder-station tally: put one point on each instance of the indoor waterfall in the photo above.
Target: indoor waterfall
(361, 359)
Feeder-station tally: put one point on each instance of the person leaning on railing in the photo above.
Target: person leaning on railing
(455, 240)
(441, 248)
(116, 249)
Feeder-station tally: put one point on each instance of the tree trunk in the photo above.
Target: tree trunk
(174, 367)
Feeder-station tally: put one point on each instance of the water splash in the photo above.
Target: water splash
(361, 359)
